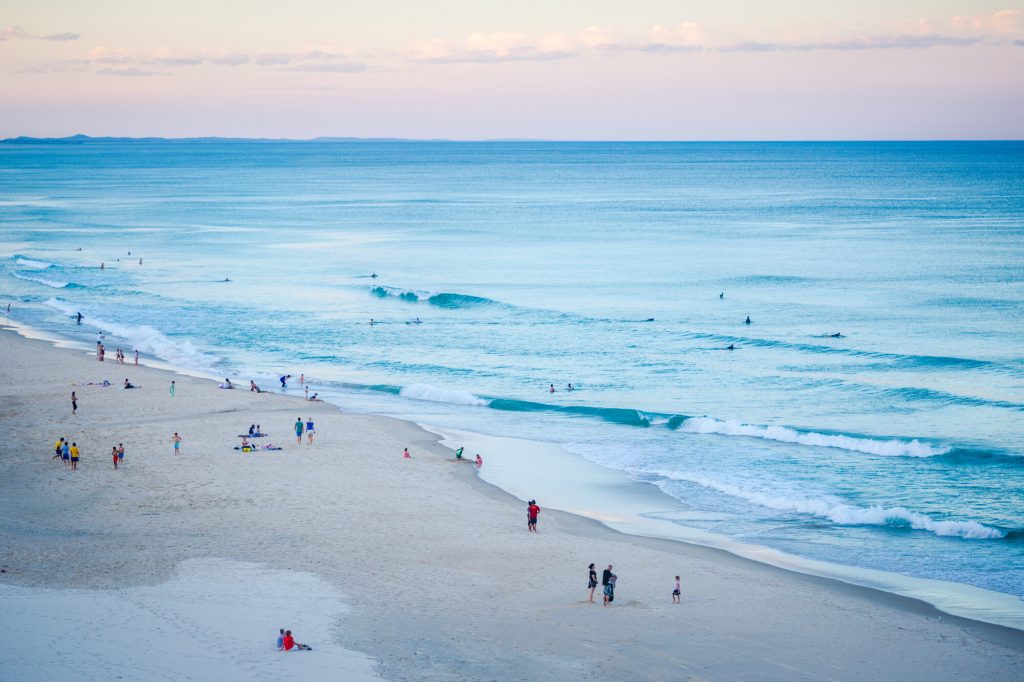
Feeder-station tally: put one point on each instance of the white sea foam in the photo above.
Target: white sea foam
(844, 514)
(886, 448)
(42, 280)
(29, 263)
(441, 395)
(146, 339)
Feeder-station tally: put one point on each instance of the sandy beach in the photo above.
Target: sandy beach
(420, 570)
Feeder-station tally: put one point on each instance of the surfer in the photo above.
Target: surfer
(569, 388)
(373, 276)
(747, 321)
(371, 321)
(226, 279)
(731, 346)
(837, 335)
(649, 319)
(721, 295)
(102, 266)
(78, 318)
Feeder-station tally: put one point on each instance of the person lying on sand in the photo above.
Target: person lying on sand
(128, 384)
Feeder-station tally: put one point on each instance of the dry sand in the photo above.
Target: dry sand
(441, 579)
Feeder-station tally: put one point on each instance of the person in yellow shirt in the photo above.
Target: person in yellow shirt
(74, 456)
(58, 448)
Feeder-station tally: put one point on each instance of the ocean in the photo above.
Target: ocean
(870, 414)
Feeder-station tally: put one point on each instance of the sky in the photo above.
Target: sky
(480, 69)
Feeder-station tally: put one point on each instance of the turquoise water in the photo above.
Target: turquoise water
(898, 445)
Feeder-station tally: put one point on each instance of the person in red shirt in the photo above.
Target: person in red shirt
(289, 643)
(531, 516)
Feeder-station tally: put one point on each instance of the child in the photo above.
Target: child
(113, 454)
(676, 592)
(405, 454)
(120, 453)
(177, 442)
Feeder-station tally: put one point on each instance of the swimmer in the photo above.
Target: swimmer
(551, 389)
(78, 318)
(371, 321)
(747, 321)
(721, 295)
(837, 335)
(649, 319)
(225, 279)
(373, 276)
(103, 266)
(731, 346)
(569, 388)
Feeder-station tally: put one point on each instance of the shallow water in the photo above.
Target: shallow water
(897, 445)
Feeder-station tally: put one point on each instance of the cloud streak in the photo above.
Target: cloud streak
(19, 33)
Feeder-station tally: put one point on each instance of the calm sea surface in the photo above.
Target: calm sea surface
(871, 413)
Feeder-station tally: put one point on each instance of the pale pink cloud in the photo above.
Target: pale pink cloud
(19, 32)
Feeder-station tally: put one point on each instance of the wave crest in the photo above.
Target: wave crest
(844, 514)
(885, 448)
(441, 395)
(55, 284)
(147, 340)
(23, 262)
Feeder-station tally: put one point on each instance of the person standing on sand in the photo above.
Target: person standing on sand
(74, 403)
(172, 388)
(176, 439)
(136, 357)
(298, 430)
(65, 453)
(531, 516)
(309, 430)
(591, 581)
(606, 583)
(307, 392)
(120, 454)
(676, 591)
(74, 452)
(113, 454)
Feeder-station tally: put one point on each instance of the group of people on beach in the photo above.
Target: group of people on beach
(101, 351)
(608, 580)
(309, 428)
(68, 452)
(286, 642)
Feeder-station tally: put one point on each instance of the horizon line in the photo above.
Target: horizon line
(81, 137)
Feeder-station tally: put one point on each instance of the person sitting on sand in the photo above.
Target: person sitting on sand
(228, 384)
(280, 639)
(253, 388)
(405, 454)
(252, 429)
(128, 384)
(315, 398)
(289, 643)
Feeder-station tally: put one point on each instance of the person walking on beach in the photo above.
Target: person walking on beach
(298, 430)
(608, 584)
(58, 448)
(172, 388)
(74, 403)
(113, 454)
(74, 452)
(120, 454)
(65, 453)
(176, 439)
(591, 581)
(309, 430)
(676, 591)
(531, 516)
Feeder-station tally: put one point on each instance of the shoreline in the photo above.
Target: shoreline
(959, 600)
(464, 572)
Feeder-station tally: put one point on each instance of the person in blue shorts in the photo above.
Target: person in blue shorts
(298, 430)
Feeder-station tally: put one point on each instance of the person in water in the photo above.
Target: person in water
(551, 389)
(479, 461)
(78, 318)
(569, 388)
(721, 295)
(731, 346)
(747, 321)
